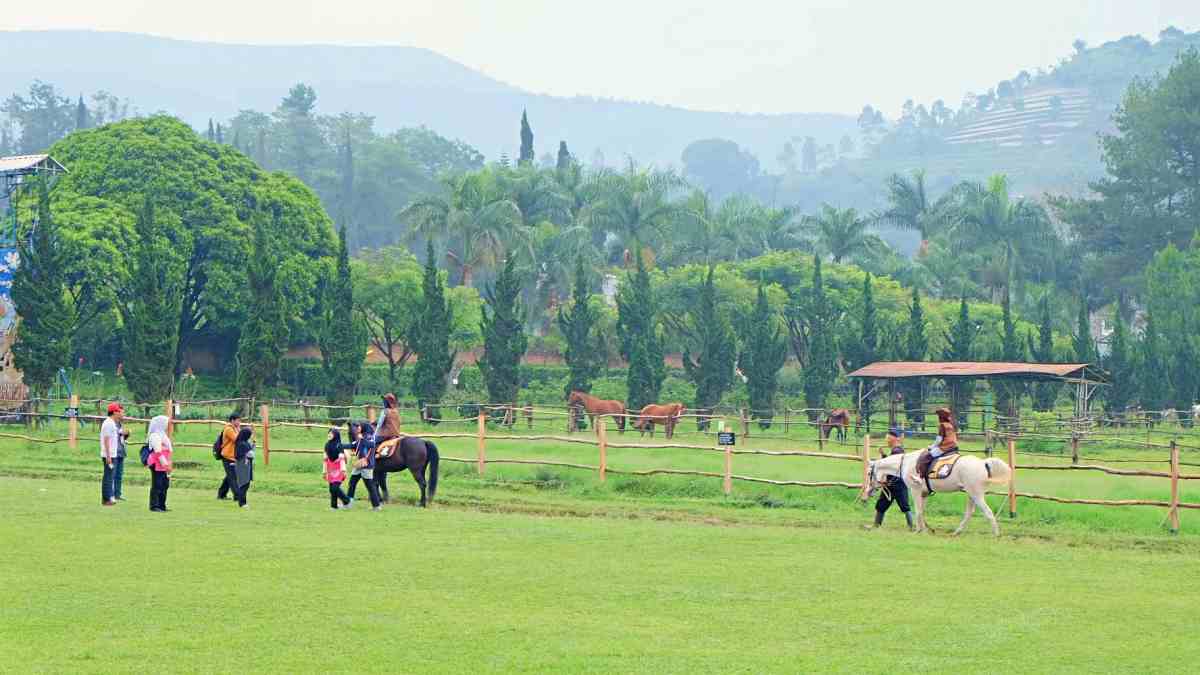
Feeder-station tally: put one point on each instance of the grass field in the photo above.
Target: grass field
(545, 569)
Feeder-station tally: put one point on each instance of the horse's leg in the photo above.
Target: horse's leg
(418, 472)
(967, 513)
(980, 500)
(381, 483)
(921, 524)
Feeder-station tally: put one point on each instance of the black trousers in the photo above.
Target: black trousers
(230, 484)
(372, 488)
(336, 494)
(159, 484)
(899, 494)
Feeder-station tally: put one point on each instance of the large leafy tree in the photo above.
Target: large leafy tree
(1150, 196)
(641, 345)
(205, 196)
(637, 206)
(712, 368)
(342, 338)
(764, 351)
(1120, 364)
(151, 310)
(1152, 362)
(910, 208)
(820, 368)
(43, 341)
(502, 324)
(579, 325)
(1085, 346)
(432, 340)
(264, 336)
(388, 289)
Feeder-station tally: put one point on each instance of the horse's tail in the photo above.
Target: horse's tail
(432, 450)
(998, 470)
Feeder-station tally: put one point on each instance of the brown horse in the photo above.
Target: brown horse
(665, 414)
(839, 419)
(598, 407)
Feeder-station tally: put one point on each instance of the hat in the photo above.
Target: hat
(115, 407)
(894, 431)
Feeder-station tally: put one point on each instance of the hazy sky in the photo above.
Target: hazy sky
(747, 55)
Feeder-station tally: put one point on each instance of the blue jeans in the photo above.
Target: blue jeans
(118, 476)
(106, 481)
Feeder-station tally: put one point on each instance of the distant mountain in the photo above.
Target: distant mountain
(399, 86)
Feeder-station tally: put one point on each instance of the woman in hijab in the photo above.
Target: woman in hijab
(335, 470)
(243, 451)
(159, 463)
(363, 435)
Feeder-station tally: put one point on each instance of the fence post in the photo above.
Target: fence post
(73, 423)
(264, 412)
(728, 481)
(1074, 449)
(820, 436)
(1173, 513)
(866, 465)
(745, 423)
(987, 442)
(170, 417)
(602, 435)
(1012, 478)
(482, 435)
(787, 419)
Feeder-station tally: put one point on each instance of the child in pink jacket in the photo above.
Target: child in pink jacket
(335, 470)
(159, 463)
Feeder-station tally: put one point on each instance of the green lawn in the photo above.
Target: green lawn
(289, 586)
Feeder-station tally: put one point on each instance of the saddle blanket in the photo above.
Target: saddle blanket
(386, 448)
(942, 466)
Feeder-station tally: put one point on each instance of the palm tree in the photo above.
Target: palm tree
(909, 207)
(767, 228)
(635, 205)
(704, 230)
(839, 232)
(989, 218)
(477, 222)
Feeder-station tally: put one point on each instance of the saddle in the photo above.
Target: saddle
(386, 448)
(942, 466)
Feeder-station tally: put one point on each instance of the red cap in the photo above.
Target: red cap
(115, 407)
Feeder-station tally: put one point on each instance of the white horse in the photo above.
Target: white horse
(970, 475)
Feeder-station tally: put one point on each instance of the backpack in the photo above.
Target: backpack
(145, 454)
(217, 445)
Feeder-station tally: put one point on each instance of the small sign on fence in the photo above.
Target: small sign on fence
(72, 412)
(726, 438)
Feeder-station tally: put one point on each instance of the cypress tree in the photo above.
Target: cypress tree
(1008, 393)
(578, 325)
(564, 157)
(220, 134)
(211, 135)
(1152, 363)
(1085, 347)
(960, 347)
(916, 348)
(637, 329)
(1045, 393)
(503, 331)
(822, 353)
(868, 340)
(260, 148)
(237, 141)
(152, 312)
(712, 371)
(82, 119)
(1122, 389)
(526, 156)
(43, 338)
(264, 335)
(345, 201)
(432, 345)
(342, 339)
(763, 355)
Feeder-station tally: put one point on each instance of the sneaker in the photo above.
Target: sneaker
(119, 498)
(348, 504)
(245, 506)
(376, 508)
(108, 503)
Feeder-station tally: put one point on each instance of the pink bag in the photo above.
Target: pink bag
(335, 470)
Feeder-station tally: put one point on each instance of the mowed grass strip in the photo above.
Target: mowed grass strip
(290, 586)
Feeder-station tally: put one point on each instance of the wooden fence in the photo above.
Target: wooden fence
(598, 438)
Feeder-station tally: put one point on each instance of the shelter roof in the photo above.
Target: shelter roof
(29, 163)
(889, 370)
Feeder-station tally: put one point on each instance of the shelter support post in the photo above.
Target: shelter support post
(1012, 478)
(1173, 513)
(73, 423)
(481, 442)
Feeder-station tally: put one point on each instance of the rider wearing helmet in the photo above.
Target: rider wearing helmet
(945, 443)
(896, 489)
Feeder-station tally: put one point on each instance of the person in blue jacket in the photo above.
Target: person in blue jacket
(362, 437)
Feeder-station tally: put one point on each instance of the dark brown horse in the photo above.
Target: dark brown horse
(839, 419)
(665, 414)
(598, 407)
(414, 454)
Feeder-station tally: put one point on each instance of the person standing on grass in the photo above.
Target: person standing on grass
(896, 490)
(364, 462)
(243, 463)
(335, 470)
(119, 464)
(229, 436)
(159, 462)
(110, 435)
